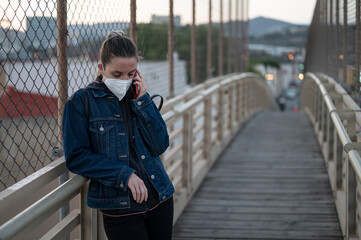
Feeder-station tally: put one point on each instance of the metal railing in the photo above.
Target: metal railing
(334, 43)
(201, 122)
(336, 119)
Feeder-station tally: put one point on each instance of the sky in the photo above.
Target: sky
(13, 12)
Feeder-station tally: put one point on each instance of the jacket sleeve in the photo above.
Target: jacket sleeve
(80, 159)
(151, 125)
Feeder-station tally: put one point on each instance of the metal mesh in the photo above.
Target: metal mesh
(334, 43)
(31, 64)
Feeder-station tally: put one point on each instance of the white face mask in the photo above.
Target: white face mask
(117, 86)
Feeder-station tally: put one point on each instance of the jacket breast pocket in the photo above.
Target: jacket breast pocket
(102, 137)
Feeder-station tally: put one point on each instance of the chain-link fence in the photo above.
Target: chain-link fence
(49, 49)
(334, 43)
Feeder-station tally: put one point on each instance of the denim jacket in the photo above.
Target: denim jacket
(97, 147)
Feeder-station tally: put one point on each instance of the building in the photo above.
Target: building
(156, 19)
(41, 32)
(12, 44)
(79, 33)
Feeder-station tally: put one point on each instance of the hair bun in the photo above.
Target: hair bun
(114, 33)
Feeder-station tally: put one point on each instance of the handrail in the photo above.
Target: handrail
(182, 108)
(327, 109)
(39, 211)
(13, 194)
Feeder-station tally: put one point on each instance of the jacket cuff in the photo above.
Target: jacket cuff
(141, 102)
(124, 176)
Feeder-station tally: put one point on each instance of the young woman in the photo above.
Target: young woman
(113, 134)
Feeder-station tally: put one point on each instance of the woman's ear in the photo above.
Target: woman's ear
(100, 68)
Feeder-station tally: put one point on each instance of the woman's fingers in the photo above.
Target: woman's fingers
(139, 80)
(138, 73)
(138, 189)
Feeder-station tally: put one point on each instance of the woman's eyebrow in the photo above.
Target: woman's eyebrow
(116, 71)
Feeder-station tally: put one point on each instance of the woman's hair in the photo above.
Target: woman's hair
(116, 45)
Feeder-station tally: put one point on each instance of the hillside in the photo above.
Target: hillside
(293, 36)
(261, 26)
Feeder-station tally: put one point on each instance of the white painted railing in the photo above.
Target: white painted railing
(201, 122)
(336, 119)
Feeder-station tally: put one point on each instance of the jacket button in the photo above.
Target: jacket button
(139, 103)
(152, 177)
(142, 157)
(164, 197)
(121, 185)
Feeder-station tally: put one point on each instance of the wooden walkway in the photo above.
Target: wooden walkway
(270, 183)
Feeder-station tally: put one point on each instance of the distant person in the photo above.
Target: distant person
(113, 134)
(282, 103)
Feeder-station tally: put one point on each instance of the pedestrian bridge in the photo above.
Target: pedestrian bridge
(241, 168)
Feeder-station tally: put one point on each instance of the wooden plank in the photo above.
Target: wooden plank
(270, 183)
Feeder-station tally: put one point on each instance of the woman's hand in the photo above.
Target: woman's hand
(139, 191)
(139, 80)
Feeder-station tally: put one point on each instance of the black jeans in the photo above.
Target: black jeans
(153, 225)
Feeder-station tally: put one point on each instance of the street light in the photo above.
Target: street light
(269, 77)
(301, 76)
(291, 57)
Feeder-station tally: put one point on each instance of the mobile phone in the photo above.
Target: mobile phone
(135, 88)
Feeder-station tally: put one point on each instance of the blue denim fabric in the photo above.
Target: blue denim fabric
(97, 147)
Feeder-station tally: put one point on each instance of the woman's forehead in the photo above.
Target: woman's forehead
(122, 64)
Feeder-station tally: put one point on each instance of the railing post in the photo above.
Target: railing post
(187, 150)
(133, 21)
(242, 38)
(94, 223)
(319, 109)
(357, 50)
(85, 222)
(193, 44)
(330, 138)
(344, 52)
(322, 114)
(351, 184)
(238, 101)
(236, 41)
(247, 36)
(220, 40)
(220, 114)
(244, 98)
(257, 97)
(208, 129)
(209, 42)
(171, 49)
(252, 97)
(313, 89)
(230, 106)
(229, 46)
(324, 120)
(338, 153)
(351, 201)
(62, 63)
